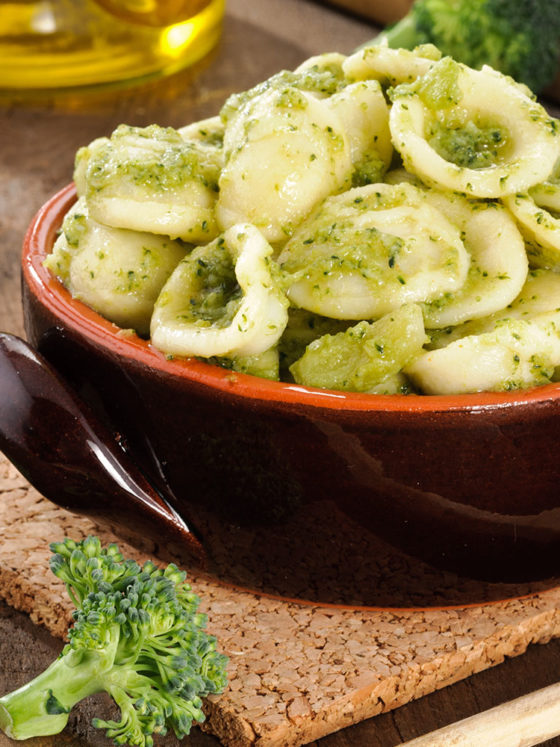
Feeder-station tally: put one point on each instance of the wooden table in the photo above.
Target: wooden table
(37, 145)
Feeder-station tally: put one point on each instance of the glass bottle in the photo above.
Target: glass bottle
(57, 44)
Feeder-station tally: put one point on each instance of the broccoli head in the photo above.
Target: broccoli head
(520, 39)
(136, 635)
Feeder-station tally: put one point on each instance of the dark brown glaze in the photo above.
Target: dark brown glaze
(353, 499)
(70, 457)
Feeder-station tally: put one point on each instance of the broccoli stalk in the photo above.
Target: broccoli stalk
(136, 635)
(521, 38)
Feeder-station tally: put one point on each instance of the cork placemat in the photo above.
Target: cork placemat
(297, 672)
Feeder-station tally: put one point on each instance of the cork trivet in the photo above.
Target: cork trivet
(297, 672)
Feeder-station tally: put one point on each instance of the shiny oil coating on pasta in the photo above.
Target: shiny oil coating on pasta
(386, 222)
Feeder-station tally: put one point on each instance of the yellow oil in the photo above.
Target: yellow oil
(58, 44)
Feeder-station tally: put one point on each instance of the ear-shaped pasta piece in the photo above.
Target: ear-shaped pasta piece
(320, 76)
(222, 300)
(370, 250)
(516, 354)
(151, 179)
(286, 150)
(397, 384)
(400, 175)
(498, 266)
(266, 365)
(208, 132)
(303, 327)
(364, 356)
(117, 272)
(547, 196)
(318, 65)
(473, 131)
(390, 66)
(364, 115)
(323, 61)
(81, 163)
(540, 294)
(540, 228)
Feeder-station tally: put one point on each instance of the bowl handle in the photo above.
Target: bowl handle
(71, 458)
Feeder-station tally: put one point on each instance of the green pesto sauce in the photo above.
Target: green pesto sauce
(166, 162)
(215, 293)
(369, 170)
(151, 132)
(303, 327)
(290, 98)
(477, 281)
(438, 88)
(326, 80)
(472, 146)
(75, 228)
(58, 262)
(337, 247)
(541, 373)
(364, 355)
(211, 137)
(133, 279)
(264, 365)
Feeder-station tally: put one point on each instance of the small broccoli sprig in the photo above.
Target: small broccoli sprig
(520, 39)
(136, 635)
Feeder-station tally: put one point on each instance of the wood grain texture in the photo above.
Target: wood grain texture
(379, 11)
(523, 722)
(297, 672)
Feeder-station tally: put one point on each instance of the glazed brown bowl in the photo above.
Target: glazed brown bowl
(320, 495)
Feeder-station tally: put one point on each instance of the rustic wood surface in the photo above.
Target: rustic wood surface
(26, 649)
(38, 140)
(296, 672)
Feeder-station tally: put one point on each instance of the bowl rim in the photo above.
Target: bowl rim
(79, 317)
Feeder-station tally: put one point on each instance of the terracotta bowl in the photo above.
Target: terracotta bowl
(315, 494)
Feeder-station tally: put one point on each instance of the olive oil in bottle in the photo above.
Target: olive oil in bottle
(57, 44)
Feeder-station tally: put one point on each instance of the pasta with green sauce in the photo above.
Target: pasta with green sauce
(386, 222)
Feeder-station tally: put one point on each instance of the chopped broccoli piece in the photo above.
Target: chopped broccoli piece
(136, 635)
(364, 355)
(520, 39)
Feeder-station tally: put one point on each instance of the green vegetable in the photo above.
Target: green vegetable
(365, 355)
(136, 635)
(521, 38)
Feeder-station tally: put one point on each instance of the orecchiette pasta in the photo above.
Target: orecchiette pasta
(366, 355)
(517, 353)
(386, 222)
(472, 131)
(209, 132)
(118, 272)
(284, 154)
(151, 179)
(364, 117)
(498, 261)
(370, 250)
(540, 228)
(547, 196)
(287, 149)
(222, 300)
(540, 295)
(328, 65)
(296, 139)
(390, 66)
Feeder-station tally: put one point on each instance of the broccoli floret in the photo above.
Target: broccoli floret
(521, 39)
(136, 635)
